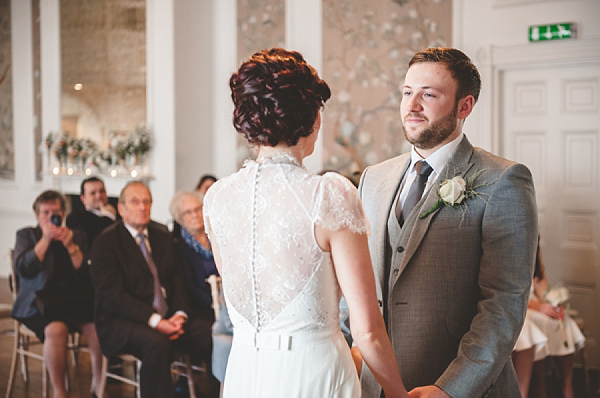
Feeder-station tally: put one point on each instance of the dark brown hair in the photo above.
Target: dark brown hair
(276, 96)
(204, 178)
(91, 179)
(49, 196)
(462, 69)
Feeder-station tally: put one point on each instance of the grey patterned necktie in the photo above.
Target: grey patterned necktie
(159, 303)
(416, 191)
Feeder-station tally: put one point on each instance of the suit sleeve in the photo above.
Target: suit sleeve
(26, 263)
(113, 301)
(508, 242)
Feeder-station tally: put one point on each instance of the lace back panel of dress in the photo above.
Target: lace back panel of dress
(269, 267)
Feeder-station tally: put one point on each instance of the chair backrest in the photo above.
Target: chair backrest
(13, 279)
(215, 291)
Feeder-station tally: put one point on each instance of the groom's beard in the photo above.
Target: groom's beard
(435, 133)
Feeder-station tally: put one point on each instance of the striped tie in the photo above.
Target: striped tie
(159, 303)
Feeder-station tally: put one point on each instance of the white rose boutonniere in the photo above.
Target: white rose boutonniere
(454, 192)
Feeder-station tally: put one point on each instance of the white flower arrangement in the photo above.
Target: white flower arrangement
(557, 296)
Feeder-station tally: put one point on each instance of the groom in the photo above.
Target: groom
(452, 280)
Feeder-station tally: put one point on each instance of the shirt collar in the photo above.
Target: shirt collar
(134, 232)
(439, 158)
(101, 213)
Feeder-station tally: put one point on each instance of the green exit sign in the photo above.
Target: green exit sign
(555, 31)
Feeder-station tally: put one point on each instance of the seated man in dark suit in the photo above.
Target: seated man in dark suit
(98, 213)
(140, 301)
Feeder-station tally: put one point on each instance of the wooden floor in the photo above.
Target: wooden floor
(80, 375)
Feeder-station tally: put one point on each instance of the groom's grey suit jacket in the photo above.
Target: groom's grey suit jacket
(459, 278)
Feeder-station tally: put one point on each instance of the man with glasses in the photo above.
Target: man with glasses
(140, 304)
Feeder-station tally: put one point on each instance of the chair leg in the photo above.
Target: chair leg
(138, 365)
(13, 363)
(102, 385)
(67, 385)
(74, 347)
(44, 380)
(586, 374)
(24, 360)
(190, 379)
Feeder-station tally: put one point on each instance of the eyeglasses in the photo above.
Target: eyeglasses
(186, 213)
(137, 202)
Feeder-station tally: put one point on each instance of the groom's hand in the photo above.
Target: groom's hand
(428, 392)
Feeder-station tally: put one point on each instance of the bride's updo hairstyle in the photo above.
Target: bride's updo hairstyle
(276, 96)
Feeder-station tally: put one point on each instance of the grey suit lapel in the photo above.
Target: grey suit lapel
(385, 200)
(458, 164)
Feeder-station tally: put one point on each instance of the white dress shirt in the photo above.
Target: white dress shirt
(436, 160)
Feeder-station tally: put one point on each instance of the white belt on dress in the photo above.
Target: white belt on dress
(274, 341)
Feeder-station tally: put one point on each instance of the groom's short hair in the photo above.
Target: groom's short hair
(458, 63)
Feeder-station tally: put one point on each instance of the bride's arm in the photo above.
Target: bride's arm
(352, 262)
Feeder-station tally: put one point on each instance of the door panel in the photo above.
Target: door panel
(551, 123)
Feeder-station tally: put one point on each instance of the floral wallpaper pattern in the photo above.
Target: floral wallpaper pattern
(260, 25)
(366, 48)
(7, 155)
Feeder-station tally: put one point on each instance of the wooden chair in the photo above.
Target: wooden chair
(215, 291)
(24, 338)
(182, 365)
(581, 325)
(107, 372)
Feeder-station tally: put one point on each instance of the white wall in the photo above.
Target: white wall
(482, 26)
(193, 91)
(18, 195)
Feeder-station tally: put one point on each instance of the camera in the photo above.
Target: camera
(56, 219)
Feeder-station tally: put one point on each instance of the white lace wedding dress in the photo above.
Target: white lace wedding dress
(280, 287)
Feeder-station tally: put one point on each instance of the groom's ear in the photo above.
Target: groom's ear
(465, 106)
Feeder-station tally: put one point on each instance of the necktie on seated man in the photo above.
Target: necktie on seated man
(159, 303)
(416, 191)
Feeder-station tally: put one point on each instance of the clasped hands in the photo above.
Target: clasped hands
(172, 327)
(428, 392)
(552, 311)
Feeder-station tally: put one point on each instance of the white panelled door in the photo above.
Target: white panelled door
(551, 122)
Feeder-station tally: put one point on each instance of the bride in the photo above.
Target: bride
(288, 244)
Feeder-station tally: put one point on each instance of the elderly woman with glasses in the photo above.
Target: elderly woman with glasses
(197, 261)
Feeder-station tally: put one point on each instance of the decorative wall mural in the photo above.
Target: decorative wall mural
(260, 25)
(7, 150)
(366, 47)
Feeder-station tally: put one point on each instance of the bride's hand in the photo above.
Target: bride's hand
(428, 392)
(398, 392)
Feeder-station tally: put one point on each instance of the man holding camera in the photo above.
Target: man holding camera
(98, 213)
(55, 294)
